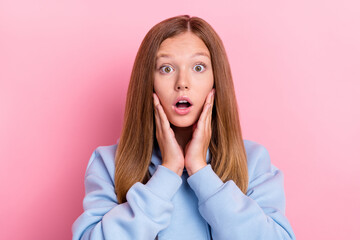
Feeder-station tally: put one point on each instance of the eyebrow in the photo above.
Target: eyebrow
(164, 55)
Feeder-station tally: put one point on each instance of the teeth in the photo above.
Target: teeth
(182, 101)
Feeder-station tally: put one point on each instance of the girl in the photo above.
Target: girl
(180, 169)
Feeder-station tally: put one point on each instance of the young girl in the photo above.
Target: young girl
(181, 169)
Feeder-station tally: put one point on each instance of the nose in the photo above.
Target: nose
(182, 82)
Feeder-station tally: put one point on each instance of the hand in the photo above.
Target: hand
(195, 150)
(171, 152)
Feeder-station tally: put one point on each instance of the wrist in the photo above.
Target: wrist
(177, 170)
(195, 169)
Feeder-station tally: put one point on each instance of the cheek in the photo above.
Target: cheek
(206, 81)
(203, 89)
(159, 90)
(164, 99)
(162, 85)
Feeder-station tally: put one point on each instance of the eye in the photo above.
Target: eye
(166, 68)
(200, 66)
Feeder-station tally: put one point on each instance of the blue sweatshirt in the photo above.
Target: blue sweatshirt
(198, 207)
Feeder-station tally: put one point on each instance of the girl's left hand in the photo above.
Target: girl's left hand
(195, 150)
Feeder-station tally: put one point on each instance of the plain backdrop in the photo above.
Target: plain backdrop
(64, 73)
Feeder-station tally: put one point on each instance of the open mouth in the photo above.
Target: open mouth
(183, 104)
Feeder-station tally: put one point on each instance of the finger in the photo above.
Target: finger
(208, 104)
(208, 98)
(201, 122)
(161, 113)
(164, 121)
(156, 100)
(156, 111)
(194, 126)
(157, 104)
(213, 97)
(209, 113)
(208, 119)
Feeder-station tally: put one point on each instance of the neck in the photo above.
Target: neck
(183, 135)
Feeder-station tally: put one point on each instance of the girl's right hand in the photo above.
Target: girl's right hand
(172, 155)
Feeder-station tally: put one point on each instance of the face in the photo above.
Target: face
(183, 69)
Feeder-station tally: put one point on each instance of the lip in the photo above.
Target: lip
(183, 98)
(182, 111)
(185, 110)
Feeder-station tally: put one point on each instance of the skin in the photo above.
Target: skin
(183, 139)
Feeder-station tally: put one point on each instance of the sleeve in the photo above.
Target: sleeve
(260, 214)
(147, 211)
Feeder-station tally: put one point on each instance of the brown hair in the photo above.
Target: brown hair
(134, 150)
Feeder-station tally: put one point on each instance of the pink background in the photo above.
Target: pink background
(64, 72)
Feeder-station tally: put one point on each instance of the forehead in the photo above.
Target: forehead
(185, 45)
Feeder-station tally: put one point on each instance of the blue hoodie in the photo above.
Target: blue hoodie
(198, 207)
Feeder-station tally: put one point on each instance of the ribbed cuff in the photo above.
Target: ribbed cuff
(164, 182)
(205, 183)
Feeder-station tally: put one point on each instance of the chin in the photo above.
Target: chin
(183, 122)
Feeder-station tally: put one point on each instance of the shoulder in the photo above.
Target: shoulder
(258, 159)
(102, 162)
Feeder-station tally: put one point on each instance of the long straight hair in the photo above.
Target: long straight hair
(138, 136)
